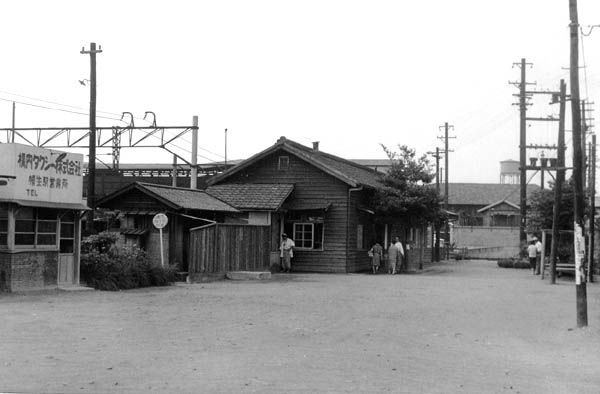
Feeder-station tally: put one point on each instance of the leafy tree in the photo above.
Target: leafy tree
(541, 206)
(405, 192)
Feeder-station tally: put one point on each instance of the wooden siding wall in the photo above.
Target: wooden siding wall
(218, 248)
(310, 183)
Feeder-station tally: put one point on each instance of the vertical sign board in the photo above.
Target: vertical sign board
(159, 221)
(579, 254)
(30, 173)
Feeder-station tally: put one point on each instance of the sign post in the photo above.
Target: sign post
(159, 221)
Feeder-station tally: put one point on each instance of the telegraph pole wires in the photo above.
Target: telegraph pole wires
(446, 128)
(91, 191)
(579, 236)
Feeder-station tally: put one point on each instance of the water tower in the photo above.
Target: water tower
(509, 172)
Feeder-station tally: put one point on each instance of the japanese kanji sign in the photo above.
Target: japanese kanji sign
(32, 173)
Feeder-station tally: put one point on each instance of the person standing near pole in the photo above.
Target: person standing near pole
(287, 253)
(532, 253)
(538, 257)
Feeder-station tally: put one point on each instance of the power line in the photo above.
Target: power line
(56, 109)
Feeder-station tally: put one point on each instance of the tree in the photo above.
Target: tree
(406, 193)
(541, 205)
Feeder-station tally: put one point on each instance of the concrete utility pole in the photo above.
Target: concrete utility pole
(91, 185)
(579, 235)
(560, 178)
(446, 188)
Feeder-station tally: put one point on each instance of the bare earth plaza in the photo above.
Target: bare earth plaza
(458, 327)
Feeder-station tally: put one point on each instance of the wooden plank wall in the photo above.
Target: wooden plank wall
(219, 248)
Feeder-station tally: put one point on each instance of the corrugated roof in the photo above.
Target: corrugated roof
(347, 171)
(187, 198)
(257, 196)
(485, 193)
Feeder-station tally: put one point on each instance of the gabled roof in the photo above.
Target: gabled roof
(515, 206)
(252, 196)
(174, 197)
(351, 173)
(485, 193)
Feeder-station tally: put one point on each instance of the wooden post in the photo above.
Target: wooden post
(560, 177)
(194, 172)
(579, 234)
(543, 256)
(522, 153)
(174, 172)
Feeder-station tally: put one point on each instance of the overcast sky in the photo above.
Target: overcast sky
(350, 74)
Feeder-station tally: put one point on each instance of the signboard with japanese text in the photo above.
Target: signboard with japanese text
(38, 174)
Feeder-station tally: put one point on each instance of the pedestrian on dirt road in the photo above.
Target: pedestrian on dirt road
(395, 254)
(287, 253)
(376, 253)
(532, 253)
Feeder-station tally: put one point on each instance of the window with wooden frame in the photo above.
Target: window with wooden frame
(3, 226)
(35, 227)
(67, 232)
(283, 163)
(306, 230)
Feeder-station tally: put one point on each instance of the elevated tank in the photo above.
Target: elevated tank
(509, 172)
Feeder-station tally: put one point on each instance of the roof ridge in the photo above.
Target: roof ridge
(169, 187)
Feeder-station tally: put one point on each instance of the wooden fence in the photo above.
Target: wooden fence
(218, 248)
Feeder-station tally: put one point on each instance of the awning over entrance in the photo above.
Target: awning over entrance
(307, 205)
(47, 204)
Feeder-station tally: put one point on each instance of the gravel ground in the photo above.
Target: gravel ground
(457, 327)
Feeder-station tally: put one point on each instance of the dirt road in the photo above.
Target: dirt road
(466, 327)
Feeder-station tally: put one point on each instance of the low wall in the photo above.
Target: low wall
(499, 252)
(28, 270)
(485, 237)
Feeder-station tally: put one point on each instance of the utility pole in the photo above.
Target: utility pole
(446, 188)
(436, 250)
(522, 147)
(194, 164)
(579, 235)
(592, 187)
(560, 178)
(13, 123)
(225, 149)
(91, 185)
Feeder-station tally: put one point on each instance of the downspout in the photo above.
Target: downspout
(350, 190)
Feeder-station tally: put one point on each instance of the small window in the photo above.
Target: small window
(284, 163)
(3, 226)
(308, 235)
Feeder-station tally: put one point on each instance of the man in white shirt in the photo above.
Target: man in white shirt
(287, 252)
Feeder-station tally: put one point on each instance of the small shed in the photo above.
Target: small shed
(40, 209)
(137, 203)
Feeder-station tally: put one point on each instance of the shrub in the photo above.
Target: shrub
(106, 266)
(513, 263)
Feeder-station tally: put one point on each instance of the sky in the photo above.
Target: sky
(350, 74)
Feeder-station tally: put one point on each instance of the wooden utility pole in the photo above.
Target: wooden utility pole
(579, 235)
(91, 185)
(194, 164)
(560, 178)
(13, 123)
(225, 149)
(446, 185)
(592, 187)
(522, 151)
(436, 226)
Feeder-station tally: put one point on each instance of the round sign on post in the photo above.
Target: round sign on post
(160, 220)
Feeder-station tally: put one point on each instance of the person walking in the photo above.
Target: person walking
(376, 253)
(395, 254)
(287, 253)
(532, 253)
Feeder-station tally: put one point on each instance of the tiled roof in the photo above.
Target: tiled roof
(256, 196)
(189, 198)
(484, 193)
(347, 171)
